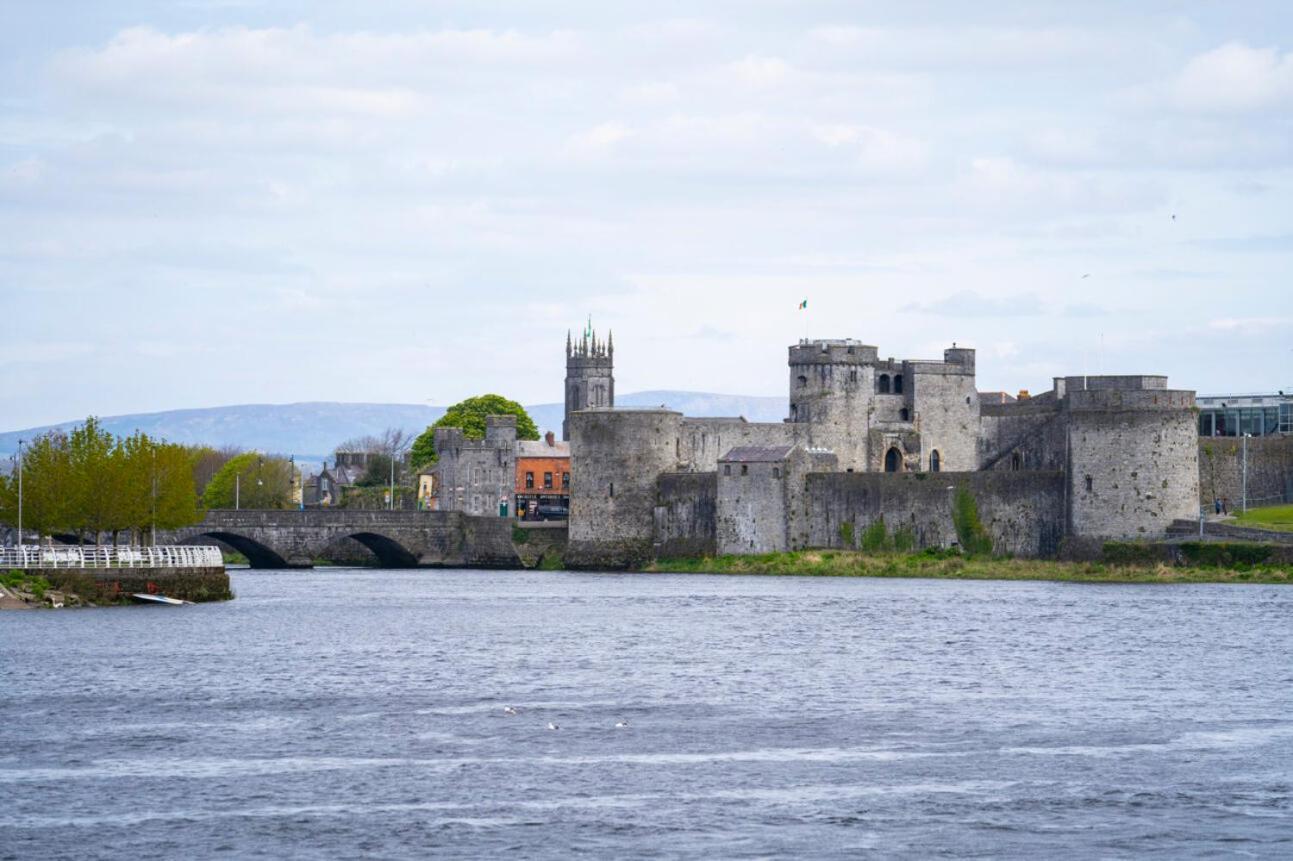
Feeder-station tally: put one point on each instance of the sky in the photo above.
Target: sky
(206, 203)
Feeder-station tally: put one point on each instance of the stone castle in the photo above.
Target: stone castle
(868, 440)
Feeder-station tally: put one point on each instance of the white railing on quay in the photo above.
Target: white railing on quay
(111, 557)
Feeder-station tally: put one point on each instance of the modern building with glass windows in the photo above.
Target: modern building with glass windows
(1237, 415)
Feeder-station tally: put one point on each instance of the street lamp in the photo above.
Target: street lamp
(1245, 487)
(20, 496)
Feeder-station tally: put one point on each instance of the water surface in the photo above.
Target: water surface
(359, 713)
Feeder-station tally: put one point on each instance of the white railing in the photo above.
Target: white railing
(111, 557)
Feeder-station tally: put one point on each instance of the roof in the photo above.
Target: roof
(540, 448)
(758, 454)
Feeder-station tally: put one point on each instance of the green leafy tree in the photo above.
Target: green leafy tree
(251, 480)
(46, 471)
(470, 416)
(97, 486)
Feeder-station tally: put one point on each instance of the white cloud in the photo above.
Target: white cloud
(1235, 77)
(602, 136)
(761, 71)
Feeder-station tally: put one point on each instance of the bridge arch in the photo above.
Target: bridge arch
(389, 552)
(258, 555)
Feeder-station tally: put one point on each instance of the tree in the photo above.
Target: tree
(251, 480)
(206, 462)
(470, 416)
(46, 471)
(98, 480)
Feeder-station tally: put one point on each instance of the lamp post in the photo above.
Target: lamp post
(1245, 484)
(391, 504)
(20, 497)
(237, 491)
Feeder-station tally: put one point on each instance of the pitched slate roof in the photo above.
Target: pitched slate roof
(758, 454)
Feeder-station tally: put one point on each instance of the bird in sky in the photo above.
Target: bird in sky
(1087, 275)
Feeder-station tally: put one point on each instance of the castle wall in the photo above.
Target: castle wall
(616, 457)
(705, 440)
(1033, 431)
(1133, 458)
(685, 514)
(1022, 511)
(1270, 470)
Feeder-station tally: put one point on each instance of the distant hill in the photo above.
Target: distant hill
(312, 430)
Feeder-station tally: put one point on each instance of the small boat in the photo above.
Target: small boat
(145, 598)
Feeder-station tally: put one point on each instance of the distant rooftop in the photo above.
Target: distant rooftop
(758, 454)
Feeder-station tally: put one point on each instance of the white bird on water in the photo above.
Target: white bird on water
(552, 725)
(508, 710)
(622, 724)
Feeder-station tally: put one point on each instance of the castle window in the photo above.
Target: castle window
(1088, 484)
(803, 381)
(745, 469)
(547, 480)
(1016, 461)
(853, 374)
(967, 400)
(529, 481)
(776, 472)
(612, 489)
(904, 414)
(935, 462)
(882, 385)
(892, 460)
(897, 384)
(727, 469)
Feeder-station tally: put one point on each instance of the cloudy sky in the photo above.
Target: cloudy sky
(205, 203)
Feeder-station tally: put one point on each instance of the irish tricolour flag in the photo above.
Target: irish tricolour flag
(803, 306)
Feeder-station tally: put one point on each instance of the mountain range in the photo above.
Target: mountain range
(311, 431)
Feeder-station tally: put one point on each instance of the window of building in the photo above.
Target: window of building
(853, 374)
(529, 481)
(1089, 484)
(897, 384)
(904, 414)
(935, 461)
(1286, 418)
(565, 479)
(745, 469)
(1016, 461)
(727, 469)
(776, 472)
(882, 384)
(323, 485)
(802, 380)
(612, 489)
(547, 480)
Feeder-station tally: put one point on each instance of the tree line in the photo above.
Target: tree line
(93, 485)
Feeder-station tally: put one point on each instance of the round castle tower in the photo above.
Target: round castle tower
(590, 375)
(1133, 456)
(616, 457)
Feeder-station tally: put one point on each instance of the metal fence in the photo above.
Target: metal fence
(111, 557)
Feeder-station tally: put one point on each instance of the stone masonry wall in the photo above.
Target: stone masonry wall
(705, 440)
(616, 457)
(685, 514)
(1134, 462)
(1270, 470)
(1022, 511)
(753, 515)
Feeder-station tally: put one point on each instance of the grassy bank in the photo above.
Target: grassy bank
(843, 563)
(1278, 517)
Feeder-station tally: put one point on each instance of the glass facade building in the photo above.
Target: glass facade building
(1236, 415)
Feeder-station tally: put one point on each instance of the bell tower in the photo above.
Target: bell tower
(590, 378)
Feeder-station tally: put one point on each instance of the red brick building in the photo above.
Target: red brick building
(543, 479)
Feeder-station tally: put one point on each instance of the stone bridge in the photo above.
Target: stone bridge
(398, 539)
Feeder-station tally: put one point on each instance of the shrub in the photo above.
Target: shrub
(846, 534)
(875, 538)
(519, 535)
(974, 539)
(1225, 554)
(1130, 553)
(904, 539)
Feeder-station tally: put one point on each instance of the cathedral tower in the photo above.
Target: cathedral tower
(590, 379)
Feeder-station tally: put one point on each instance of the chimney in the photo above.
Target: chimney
(550, 438)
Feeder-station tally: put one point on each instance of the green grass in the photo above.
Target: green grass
(943, 565)
(1279, 517)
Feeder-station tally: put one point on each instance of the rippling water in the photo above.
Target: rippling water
(359, 713)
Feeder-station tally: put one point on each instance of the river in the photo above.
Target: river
(360, 713)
